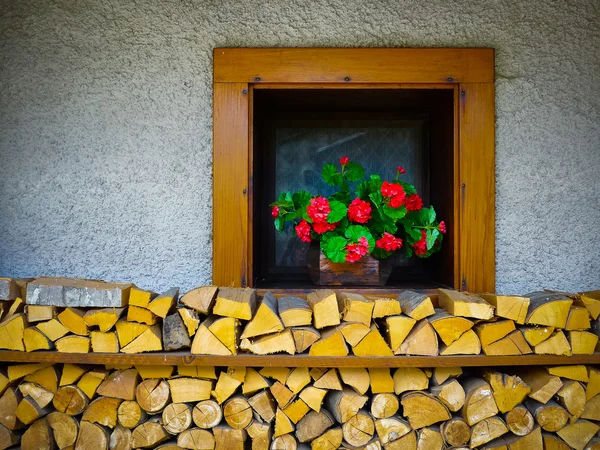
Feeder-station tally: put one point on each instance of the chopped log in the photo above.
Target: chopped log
(449, 327)
(53, 329)
(45, 377)
(583, 342)
(487, 430)
(152, 395)
(70, 400)
(556, 344)
(385, 306)
(344, 404)
(40, 313)
(196, 439)
(141, 315)
(381, 381)
(155, 371)
(298, 379)
(149, 341)
(508, 390)
(578, 434)
(235, 302)
(578, 319)
(423, 409)
(91, 435)
(200, 299)
(266, 320)
(548, 309)
(70, 374)
(406, 442)
(441, 374)
(316, 373)
(536, 335)
(384, 406)
(227, 438)
(397, 329)
(356, 308)
(296, 410)
(64, 428)
(491, 332)
(304, 337)
(357, 378)
(467, 344)
(177, 417)
(282, 394)
(592, 409)
(417, 306)
(38, 436)
(410, 379)
(455, 432)
(104, 318)
(207, 414)
(73, 292)
(272, 343)
(354, 332)
(332, 343)
(372, 344)
(593, 386)
(206, 343)
(120, 439)
(9, 289)
(128, 331)
(190, 389)
(543, 385)
(294, 311)
(422, 340)
(326, 311)
(513, 344)
(11, 332)
(591, 300)
(531, 441)
(253, 382)
(479, 401)
(390, 429)
(283, 425)
(104, 342)
(190, 318)
(276, 373)
(18, 371)
(330, 440)
(519, 420)
(164, 303)
(464, 304)
(130, 414)
(451, 394)
(197, 371)
(577, 373)
(330, 380)
(553, 442)
(263, 404)
(226, 330)
(102, 411)
(90, 381)
(34, 339)
(430, 438)
(120, 384)
(148, 435)
(511, 307)
(261, 435)
(313, 397)
(41, 396)
(572, 397)
(174, 333)
(359, 429)
(284, 442)
(73, 344)
(17, 305)
(225, 387)
(140, 297)
(72, 318)
(550, 416)
(28, 411)
(237, 412)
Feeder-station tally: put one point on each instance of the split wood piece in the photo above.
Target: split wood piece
(356, 308)
(152, 395)
(592, 409)
(206, 343)
(577, 373)
(415, 305)
(449, 327)
(263, 404)
(397, 329)
(73, 344)
(34, 339)
(384, 406)
(304, 337)
(72, 318)
(237, 412)
(406, 442)
(430, 438)
(174, 333)
(422, 340)
(141, 315)
(190, 318)
(149, 341)
(479, 401)
(313, 397)
(164, 303)
(11, 332)
(548, 309)
(254, 382)
(70, 400)
(296, 410)
(64, 429)
(130, 414)
(410, 379)
(455, 432)
(573, 398)
(120, 384)
(423, 409)
(531, 441)
(385, 306)
(74, 292)
(550, 416)
(17, 371)
(330, 440)
(91, 435)
(390, 429)
(148, 435)
(556, 344)
(354, 332)
(451, 394)
(325, 306)
(18, 304)
(441, 374)
(330, 380)
(128, 331)
(177, 417)
(28, 411)
(226, 438)
(195, 439)
(90, 381)
(120, 439)
(593, 386)
(271, 343)
(591, 300)
(236, 302)
(372, 344)
(4, 381)
(225, 387)
(40, 313)
(189, 389)
(513, 344)
(294, 311)
(583, 342)
(104, 342)
(284, 442)
(38, 436)
(207, 414)
(282, 394)
(359, 429)
(553, 442)
(487, 430)
(276, 373)
(104, 318)
(464, 304)
(491, 332)
(261, 434)
(578, 434)
(536, 335)
(41, 396)
(578, 319)
(46, 377)
(102, 411)
(298, 379)
(9, 289)
(266, 320)
(283, 424)
(197, 371)
(332, 343)
(381, 381)
(237, 372)
(344, 404)
(200, 299)
(53, 329)
(511, 307)
(226, 330)
(509, 390)
(467, 344)
(156, 371)
(140, 297)
(357, 378)
(316, 373)
(519, 420)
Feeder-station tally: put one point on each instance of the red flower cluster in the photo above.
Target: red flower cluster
(303, 231)
(413, 203)
(356, 251)
(274, 212)
(322, 227)
(400, 170)
(318, 210)
(344, 160)
(394, 193)
(420, 247)
(359, 211)
(389, 242)
(442, 227)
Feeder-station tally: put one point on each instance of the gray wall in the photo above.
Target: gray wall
(105, 126)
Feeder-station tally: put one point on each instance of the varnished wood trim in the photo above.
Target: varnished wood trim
(354, 86)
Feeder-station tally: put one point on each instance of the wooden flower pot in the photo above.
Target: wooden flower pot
(368, 271)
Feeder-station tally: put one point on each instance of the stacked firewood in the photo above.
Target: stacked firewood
(221, 321)
(75, 407)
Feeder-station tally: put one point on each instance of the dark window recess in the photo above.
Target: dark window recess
(296, 132)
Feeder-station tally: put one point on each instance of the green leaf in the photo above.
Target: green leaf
(345, 187)
(380, 253)
(375, 177)
(279, 223)
(363, 190)
(380, 223)
(354, 171)
(355, 232)
(421, 217)
(338, 211)
(334, 249)
(331, 176)
(376, 198)
(432, 235)
(284, 201)
(342, 196)
(409, 189)
(394, 213)
(409, 252)
(431, 215)
(413, 233)
(301, 199)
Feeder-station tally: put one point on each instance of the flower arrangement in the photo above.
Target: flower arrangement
(382, 217)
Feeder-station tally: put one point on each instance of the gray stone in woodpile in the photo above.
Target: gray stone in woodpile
(8, 289)
(76, 292)
(175, 335)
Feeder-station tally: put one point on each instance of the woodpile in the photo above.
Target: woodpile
(69, 406)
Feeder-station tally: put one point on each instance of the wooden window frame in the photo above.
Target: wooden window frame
(469, 71)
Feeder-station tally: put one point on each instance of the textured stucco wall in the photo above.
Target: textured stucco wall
(105, 126)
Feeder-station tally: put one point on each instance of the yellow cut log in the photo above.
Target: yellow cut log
(190, 389)
(190, 318)
(578, 434)
(592, 409)
(90, 381)
(397, 329)
(513, 344)
(104, 342)
(261, 434)
(141, 315)
(34, 339)
(410, 379)
(519, 420)
(550, 416)
(359, 429)
(282, 394)
(226, 330)
(276, 373)
(467, 344)
(264, 405)
(384, 405)
(357, 378)
(313, 425)
(148, 435)
(298, 379)
(149, 341)
(332, 343)
(548, 309)
(73, 344)
(271, 343)
(330, 440)
(9, 403)
(304, 337)
(11, 332)
(578, 319)
(356, 308)
(593, 386)
(128, 331)
(449, 327)
(451, 394)
(140, 297)
(385, 306)
(415, 305)
(583, 342)
(207, 414)
(296, 410)
(423, 409)
(253, 382)
(455, 432)
(237, 412)
(40, 313)
(487, 430)
(464, 304)
(200, 299)
(577, 373)
(313, 397)
(572, 397)
(556, 344)
(102, 411)
(70, 400)
(266, 320)
(41, 396)
(120, 384)
(45, 377)
(38, 436)
(511, 307)
(430, 438)
(329, 380)
(381, 381)
(225, 387)
(64, 429)
(535, 335)
(206, 343)
(197, 371)
(152, 395)
(70, 374)
(177, 417)
(17, 371)
(72, 318)
(130, 414)
(294, 311)
(422, 340)
(491, 332)
(441, 374)
(354, 332)
(326, 311)
(235, 302)
(553, 442)
(479, 401)
(372, 344)
(531, 441)
(591, 300)
(156, 371)
(226, 438)
(195, 439)
(162, 305)
(543, 385)
(344, 404)
(103, 318)
(53, 329)
(283, 424)
(509, 390)
(28, 411)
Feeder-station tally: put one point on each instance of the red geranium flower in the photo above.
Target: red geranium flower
(442, 227)
(420, 247)
(397, 200)
(344, 160)
(389, 242)
(322, 227)
(359, 211)
(275, 212)
(391, 189)
(413, 203)
(318, 210)
(400, 170)
(356, 251)
(303, 231)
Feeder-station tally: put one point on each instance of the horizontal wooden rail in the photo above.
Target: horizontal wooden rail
(247, 360)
